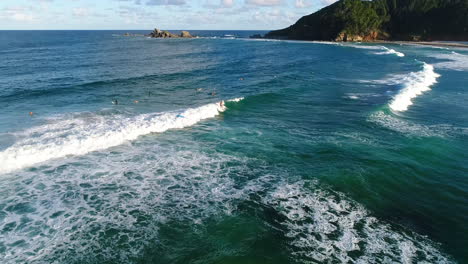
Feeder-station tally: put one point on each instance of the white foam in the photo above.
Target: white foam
(326, 227)
(391, 51)
(402, 126)
(383, 50)
(138, 189)
(415, 84)
(352, 96)
(411, 128)
(451, 61)
(79, 136)
(358, 46)
(133, 190)
(236, 99)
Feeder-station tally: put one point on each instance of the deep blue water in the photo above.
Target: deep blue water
(117, 149)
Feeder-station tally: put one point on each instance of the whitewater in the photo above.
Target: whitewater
(414, 84)
(81, 135)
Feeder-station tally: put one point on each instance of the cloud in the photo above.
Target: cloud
(219, 4)
(136, 15)
(81, 12)
(227, 3)
(264, 2)
(302, 4)
(166, 2)
(328, 2)
(275, 18)
(19, 14)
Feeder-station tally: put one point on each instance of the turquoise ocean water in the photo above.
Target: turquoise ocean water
(321, 153)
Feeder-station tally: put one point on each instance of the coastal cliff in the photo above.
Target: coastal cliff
(360, 20)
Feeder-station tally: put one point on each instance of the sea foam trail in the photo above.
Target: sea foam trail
(391, 51)
(236, 99)
(414, 84)
(383, 50)
(325, 227)
(79, 136)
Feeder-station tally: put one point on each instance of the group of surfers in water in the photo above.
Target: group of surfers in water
(116, 102)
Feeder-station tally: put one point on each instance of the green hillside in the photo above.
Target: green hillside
(357, 20)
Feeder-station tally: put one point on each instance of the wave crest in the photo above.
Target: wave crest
(79, 136)
(415, 84)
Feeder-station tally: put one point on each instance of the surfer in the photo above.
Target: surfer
(221, 103)
(136, 101)
(31, 113)
(115, 102)
(213, 93)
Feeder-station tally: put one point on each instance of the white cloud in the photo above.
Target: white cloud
(227, 3)
(302, 3)
(275, 18)
(166, 2)
(81, 12)
(328, 2)
(19, 13)
(264, 2)
(22, 17)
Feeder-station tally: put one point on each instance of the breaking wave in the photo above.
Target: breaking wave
(414, 84)
(78, 136)
(379, 50)
(236, 99)
(391, 51)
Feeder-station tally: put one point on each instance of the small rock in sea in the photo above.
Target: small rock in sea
(185, 34)
(157, 33)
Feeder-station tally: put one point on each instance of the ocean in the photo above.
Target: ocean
(119, 149)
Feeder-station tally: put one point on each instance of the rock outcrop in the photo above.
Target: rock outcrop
(371, 36)
(157, 33)
(185, 34)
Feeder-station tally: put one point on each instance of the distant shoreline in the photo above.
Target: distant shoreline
(426, 43)
(402, 42)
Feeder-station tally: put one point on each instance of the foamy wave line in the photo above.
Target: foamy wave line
(80, 136)
(391, 51)
(384, 50)
(236, 99)
(415, 84)
(325, 227)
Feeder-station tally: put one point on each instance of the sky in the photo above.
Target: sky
(149, 14)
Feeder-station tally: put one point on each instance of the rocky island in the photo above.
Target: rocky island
(157, 33)
(364, 20)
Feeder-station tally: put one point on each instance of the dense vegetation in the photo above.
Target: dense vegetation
(383, 19)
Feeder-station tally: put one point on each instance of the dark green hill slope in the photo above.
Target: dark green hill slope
(358, 20)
